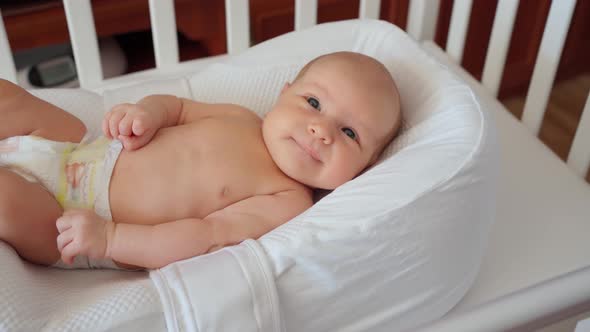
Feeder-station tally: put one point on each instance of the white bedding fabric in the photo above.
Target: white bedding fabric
(36, 298)
(537, 268)
(394, 248)
(538, 195)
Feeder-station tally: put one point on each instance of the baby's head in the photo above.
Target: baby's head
(334, 120)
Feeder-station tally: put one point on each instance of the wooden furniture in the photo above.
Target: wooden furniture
(273, 18)
(526, 38)
(43, 23)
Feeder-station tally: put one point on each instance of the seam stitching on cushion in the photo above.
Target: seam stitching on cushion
(276, 317)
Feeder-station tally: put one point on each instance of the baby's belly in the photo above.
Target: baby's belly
(162, 190)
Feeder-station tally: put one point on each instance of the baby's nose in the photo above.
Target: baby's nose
(321, 132)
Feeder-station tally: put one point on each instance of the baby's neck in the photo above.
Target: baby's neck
(318, 194)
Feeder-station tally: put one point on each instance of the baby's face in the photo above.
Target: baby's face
(328, 125)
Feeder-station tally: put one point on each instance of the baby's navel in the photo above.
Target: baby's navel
(224, 191)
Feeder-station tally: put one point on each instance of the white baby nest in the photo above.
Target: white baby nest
(393, 249)
(391, 241)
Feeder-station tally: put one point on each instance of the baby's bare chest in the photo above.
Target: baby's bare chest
(192, 171)
(229, 160)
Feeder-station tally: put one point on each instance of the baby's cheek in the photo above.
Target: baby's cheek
(338, 175)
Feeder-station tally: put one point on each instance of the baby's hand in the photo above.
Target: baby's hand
(132, 124)
(83, 232)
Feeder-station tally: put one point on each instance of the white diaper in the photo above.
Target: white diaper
(77, 174)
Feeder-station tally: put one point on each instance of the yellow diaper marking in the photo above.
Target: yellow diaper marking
(91, 156)
(62, 184)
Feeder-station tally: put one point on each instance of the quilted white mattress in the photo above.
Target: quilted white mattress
(36, 298)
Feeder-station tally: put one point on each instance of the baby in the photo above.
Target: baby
(175, 178)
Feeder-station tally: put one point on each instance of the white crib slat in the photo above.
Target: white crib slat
(498, 46)
(554, 36)
(579, 156)
(458, 29)
(7, 70)
(370, 9)
(84, 42)
(422, 18)
(164, 32)
(305, 13)
(237, 22)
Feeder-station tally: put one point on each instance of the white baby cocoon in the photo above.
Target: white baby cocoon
(394, 248)
(401, 244)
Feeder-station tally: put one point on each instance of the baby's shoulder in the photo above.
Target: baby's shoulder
(240, 111)
(221, 108)
(229, 110)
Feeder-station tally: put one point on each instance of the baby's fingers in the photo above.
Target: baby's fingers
(114, 123)
(125, 125)
(139, 126)
(63, 224)
(131, 143)
(69, 252)
(64, 239)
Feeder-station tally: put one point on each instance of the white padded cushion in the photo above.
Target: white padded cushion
(401, 244)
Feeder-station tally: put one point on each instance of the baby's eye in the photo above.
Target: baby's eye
(314, 102)
(349, 132)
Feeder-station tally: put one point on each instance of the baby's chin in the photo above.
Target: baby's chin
(312, 183)
(317, 183)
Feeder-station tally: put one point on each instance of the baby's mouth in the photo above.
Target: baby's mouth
(307, 149)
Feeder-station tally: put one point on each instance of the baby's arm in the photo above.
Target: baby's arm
(155, 246)
(136, 124)
(159, 245)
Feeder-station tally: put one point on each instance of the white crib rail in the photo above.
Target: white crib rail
(369, 9)
(421, 25)
(548, 57)
(458, 29)
(579, 156)
(554, 36)
(7, 69)
(422, 19)
(84, 42)
(164, 33)
(237, 22)
(306, 13)
(498, 47)
(513, 312)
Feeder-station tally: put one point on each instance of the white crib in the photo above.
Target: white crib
(537, 268)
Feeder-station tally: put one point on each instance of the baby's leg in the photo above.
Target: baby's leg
(24, 114)
(27, 218)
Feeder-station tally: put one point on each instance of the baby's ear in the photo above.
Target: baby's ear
(285, 87)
